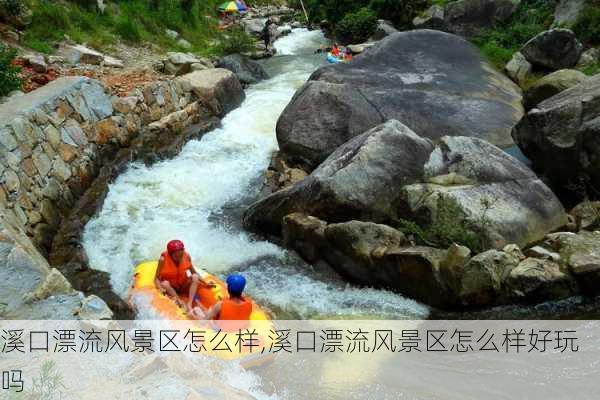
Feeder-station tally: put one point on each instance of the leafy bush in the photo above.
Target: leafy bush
(9, 74)
(450, 225)
(235, 41)
(128, 30)
(587, 26)
(13, 8)
(400, 12)
(356, 27)
(500, 42)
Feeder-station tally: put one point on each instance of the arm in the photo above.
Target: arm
(161, 261)
(214, 311)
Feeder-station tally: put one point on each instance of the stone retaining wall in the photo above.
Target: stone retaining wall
(54, 142)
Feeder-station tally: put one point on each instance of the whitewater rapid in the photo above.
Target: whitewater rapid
(189, 198)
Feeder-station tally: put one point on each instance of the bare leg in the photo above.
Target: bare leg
(166, 285)
(193, 289)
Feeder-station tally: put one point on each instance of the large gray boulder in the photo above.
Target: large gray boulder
(360, 180)
(248, 71)
(498, 198)
(436, 83)
(560, 135)
(554, 49)
(217, 87)
(466, 17)
(551, 85)
(390, 173)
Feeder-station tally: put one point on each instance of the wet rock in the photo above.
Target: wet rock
(554, 49)
(536, 280)
(218, 87)
(415, 272)
(248, 71)
(360, 48)
(551, 85)
(560, 135)
(479, 282)
(587, 215)
(353, 248)
(581, 254)
(94, 308)
(342, 101)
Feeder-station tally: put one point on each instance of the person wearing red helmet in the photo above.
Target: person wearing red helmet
(176, 275)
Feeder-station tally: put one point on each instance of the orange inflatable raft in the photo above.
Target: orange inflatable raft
(166, 308)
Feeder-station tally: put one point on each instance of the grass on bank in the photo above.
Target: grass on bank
(132, 21)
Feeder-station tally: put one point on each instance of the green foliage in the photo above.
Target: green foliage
(500, 42)
(399, 12)
(450, 225)
(9, 74)
(13, 7)
(591, 70)
(128, 30)
(587, 26)
(235, 41)
(356, 27)
(135, 21)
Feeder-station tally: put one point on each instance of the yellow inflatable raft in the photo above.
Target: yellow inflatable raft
(259, 329)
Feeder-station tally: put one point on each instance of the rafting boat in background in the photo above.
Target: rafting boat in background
(331, 59)
(164, 307)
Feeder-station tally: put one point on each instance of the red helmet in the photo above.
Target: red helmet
(175, 245)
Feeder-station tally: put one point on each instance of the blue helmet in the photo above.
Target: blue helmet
(236, 284)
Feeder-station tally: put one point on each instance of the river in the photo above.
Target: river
(198, 197)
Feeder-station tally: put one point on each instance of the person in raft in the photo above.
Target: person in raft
(176, 275)
(235, 308)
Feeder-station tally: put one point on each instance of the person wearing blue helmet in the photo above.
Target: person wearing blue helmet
(236, 307)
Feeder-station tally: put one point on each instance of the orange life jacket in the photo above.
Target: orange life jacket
(175, 274)
(234, 310)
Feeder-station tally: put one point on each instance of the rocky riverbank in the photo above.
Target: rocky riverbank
(388, 173)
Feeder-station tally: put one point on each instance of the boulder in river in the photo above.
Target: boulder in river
(248, 71)
(554, 49)
(384, 28)
(390, 173)
(560, 135)
(435, 83)
(551, 85)
(217, 87)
